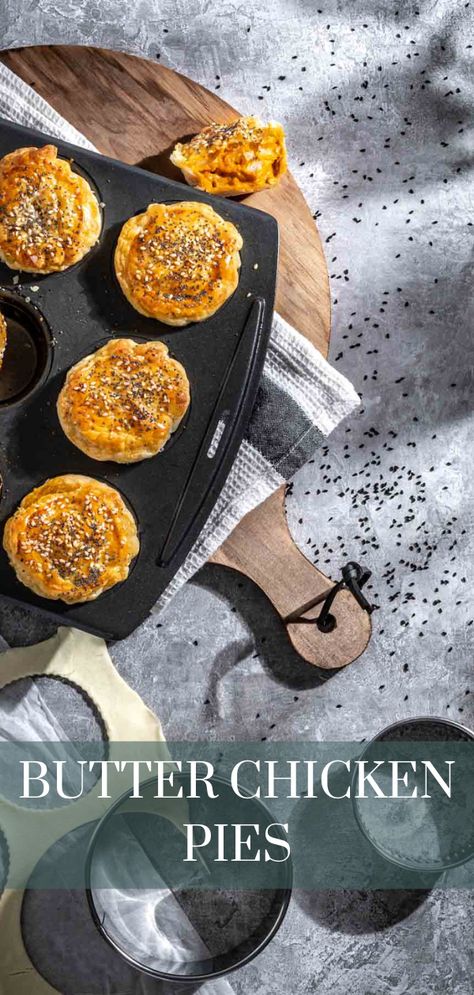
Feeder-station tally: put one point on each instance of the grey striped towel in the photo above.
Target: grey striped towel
(300, 401)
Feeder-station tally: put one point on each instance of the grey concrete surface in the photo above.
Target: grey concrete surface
(377, 100)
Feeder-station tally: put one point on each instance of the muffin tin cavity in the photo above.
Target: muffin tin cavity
(28, 352)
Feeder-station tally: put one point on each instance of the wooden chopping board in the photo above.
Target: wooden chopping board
(135, 110)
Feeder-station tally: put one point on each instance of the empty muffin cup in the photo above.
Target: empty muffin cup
(28, 351)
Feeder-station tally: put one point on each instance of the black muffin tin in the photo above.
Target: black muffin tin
(56, 320)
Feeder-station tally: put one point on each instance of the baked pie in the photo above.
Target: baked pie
(231, 159)
(178, 262)
(124, 401)
(71, 539)
(49, 216)
(3, 338)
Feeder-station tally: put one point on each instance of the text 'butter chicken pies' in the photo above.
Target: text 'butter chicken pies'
(179, 262)
(123, 402)
(71, 539)
(3, 338)
(49, 216)
(231, 159)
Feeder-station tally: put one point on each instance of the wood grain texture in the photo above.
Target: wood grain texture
(135, 110)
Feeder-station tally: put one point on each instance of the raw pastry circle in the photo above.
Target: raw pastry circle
(49, 216)
(3, 338)
(233, 159)
(71, 539)
(178, 262)
(123, 402)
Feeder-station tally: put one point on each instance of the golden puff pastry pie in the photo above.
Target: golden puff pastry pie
(3, 338)
(71, 539)
(49, 216)
(178, 262)
(231, 159)
(123, 402)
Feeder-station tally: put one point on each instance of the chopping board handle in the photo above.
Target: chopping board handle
(262, 548)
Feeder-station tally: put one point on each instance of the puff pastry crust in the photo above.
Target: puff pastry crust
(71, 539)
(49, 216)
(3, 338)
(179, 262)
(231, 159)
(123, 402)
